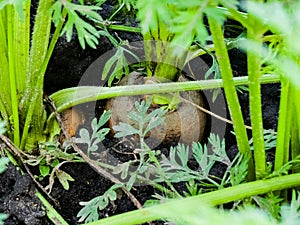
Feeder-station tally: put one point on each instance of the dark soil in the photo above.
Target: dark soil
(18, 199)
(69, 61)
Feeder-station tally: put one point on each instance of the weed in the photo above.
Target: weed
(176, 167)
(154, 168)
(117, 65)
(98, 134)
(50, 158)
(145, 121)
(90, 210)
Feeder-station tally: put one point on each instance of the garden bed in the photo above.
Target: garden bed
(88, 183)
(122, 162)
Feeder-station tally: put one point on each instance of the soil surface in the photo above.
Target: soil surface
(17, 196)
(69, 61)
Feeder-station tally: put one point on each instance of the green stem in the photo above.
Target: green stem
(254, 63)
(41, 76)
(22, 43)
(111, 26)
(124, 28)
(33, 102)
(53, 41)
(213, 198)
(236, 15)
(150, 55)
(5, 99)
(52, 214)
(295, 132)
(232, 14)
(161, 172)
(11, 62)
(194, 51)
(281, 150)
(230, 92)
(117, 11)
(69, 97)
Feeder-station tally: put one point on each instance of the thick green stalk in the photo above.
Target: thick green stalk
(149, 53)
(230, 92)
(283, 131)
(3, 33)
(73, 96)
(5, 99)
(22, 43)
(53, 42)
(254, 63)
(295, 119)
(295, 128)
(39, 45)
(167, 64)
(295, 141)
(32, 103)
(171, 53)
(12, 76)
(213, 198)
(49, 52)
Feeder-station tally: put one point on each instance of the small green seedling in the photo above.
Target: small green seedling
(145, 121)
(49, 161)
(89, 212)
(98, 134)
